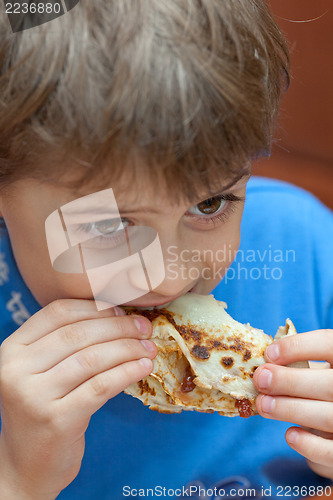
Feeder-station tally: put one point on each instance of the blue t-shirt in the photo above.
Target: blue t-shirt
(283, 269)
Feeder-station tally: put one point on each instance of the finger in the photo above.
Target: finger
(316, 345)
(86, 399)
(55, 347)
(299, 411)
(58, 314)
(316, 449)
(87, 363)
(299, 382)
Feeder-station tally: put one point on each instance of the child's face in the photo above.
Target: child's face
(198, 241)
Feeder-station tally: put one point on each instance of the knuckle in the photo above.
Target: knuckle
(288, 409)
(121, 325)
(329, 392)
(327, 421)
(57, 308)
(73, 334)
(130, 346)
(329, 385)
(99, 386)
(289, 345)
(125, 326)
(286, 381)
(89, 360)
(129, 372)
(134, 371)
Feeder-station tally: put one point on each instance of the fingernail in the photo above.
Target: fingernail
(141, 324)
(267, 404)
(273, 351)
(265, 379)
(148, 345)
(292, 437)
(146, 362)
(119, 311)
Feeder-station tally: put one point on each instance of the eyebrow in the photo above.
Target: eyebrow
(221, 191)
(106, 212)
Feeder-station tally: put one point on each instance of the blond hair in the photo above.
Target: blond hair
(186, 88)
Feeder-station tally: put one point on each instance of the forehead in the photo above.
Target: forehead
(149, 190)
(133, 189)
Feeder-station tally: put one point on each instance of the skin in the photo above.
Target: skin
(301, 396)
(68, 359)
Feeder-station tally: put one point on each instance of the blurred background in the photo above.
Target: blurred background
(303, 151)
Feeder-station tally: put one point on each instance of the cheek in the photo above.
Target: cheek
(224, 252)
(226, 240)
(33, 261)
(48, 285)
(219, 253)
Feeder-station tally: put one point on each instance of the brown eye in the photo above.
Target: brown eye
(208, 207)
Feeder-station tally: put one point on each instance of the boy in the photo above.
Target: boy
(166, 103)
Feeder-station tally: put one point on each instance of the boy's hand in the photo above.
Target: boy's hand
(302, 396)
(56, 370)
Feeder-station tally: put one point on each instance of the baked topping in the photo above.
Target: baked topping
(244, 408)
(187, 384)
(200, 352)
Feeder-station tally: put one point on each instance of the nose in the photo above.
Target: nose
(178, 276)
